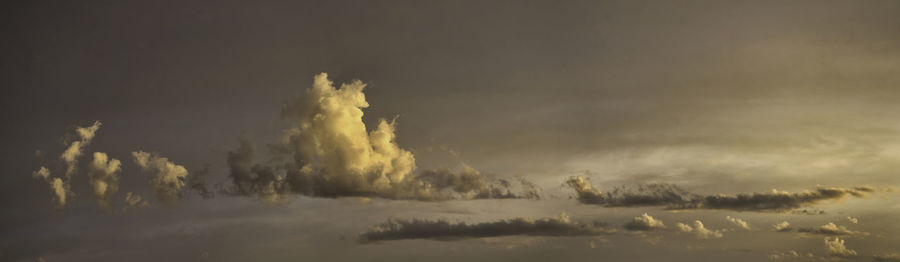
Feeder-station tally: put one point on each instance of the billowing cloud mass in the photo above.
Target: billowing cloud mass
(169, 178)
(443, 230)
(738, 222)
(831, 229)
(104, 178)
(644, 222)
(784, 226)
(74, 150)
(675, 198)
(333, 155)
(834, 247)
(699, 230)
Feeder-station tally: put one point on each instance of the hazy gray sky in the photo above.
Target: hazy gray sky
(491, 110)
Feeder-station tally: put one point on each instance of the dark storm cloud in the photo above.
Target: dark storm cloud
(332, 154)
(444, 230)
(675, 198)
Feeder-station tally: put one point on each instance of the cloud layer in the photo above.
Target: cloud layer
(675, 198)
(443, 230)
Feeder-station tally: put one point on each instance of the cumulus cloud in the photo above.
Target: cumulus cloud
(644, 222)
(853, 220)
(784, 226)
(699, 230)
(831, 229)
(738, 222)
(834, 247)
(675, 198)
(104, 178)
(332, 154)
(75, 148)
(169, 178)
(61, 187)
(443, 230)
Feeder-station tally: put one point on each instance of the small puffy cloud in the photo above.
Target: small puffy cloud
(699, 230)
(784, 226)
(75, 148)
(892, 257)
(442, 230)
(738, 222)
(834, 247)
(674, 197)
(43, 172)
(781, 256)
(831, 229)
(644, 222)
(104, 178)
(853, 220)
(169, 178)
(134, 200)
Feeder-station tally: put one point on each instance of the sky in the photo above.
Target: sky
(450, 130)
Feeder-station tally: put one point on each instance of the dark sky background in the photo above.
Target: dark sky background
(717, 97)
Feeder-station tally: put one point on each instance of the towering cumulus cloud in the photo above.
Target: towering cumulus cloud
(103, 172)
(443, 230)
(169, 178)
(834, 247)
(333, 155)
(675, 198)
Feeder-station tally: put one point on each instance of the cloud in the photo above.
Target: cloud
(738, 222)
(782, 227)
(831, 229)
(169, 178)
(699, 230)
(892, 257)
(73, 151)
(443, 230)
(197, 182)
(62, 187)
(834, 247)
(676, 198)
(644, 222)
(853, 220)
(134, 200)
(780, 256)
(332, 154)
(104, 177)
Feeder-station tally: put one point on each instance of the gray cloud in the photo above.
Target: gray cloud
(675, 198)
(443, 230)
(644, 222)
